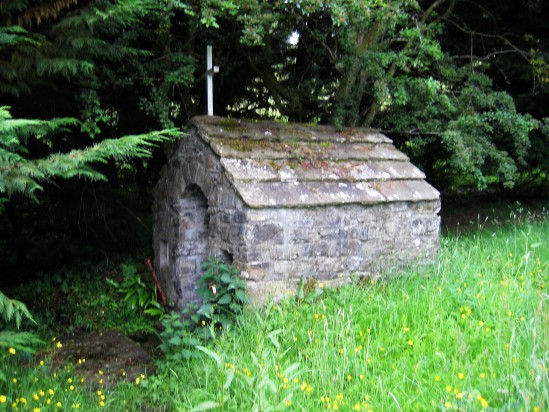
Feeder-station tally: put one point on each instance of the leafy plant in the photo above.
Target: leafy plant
(223, 293)
(137, 293)
(178, 341)
(82, 297)
(11, 309)
(224, 296)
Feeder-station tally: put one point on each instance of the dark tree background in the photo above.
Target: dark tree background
(461, 86)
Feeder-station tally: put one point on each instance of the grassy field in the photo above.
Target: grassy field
(470, 333)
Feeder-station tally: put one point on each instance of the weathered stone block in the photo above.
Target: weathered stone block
(267, 232)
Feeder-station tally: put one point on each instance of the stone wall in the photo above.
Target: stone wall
(281, 246)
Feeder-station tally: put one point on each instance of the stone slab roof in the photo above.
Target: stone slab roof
(295, 165)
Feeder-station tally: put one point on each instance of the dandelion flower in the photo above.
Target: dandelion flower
(410, 342)
(461, 375)
(3, 399)
(11, 351)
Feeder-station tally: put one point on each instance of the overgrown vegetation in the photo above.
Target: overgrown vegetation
(88, 297)
(223, 295)
(468, 333)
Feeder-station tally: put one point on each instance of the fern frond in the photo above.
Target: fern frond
(14, 309)
(21, 341)
(21, 175)
(65, 67)
(13, 35)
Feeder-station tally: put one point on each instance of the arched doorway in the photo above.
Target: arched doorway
(192, 241)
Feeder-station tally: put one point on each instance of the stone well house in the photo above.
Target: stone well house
(284, 202)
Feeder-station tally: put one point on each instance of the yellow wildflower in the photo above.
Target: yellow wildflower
(11, 351)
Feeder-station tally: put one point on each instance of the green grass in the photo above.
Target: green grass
(469, 333)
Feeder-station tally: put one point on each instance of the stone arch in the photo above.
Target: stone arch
(192, 240)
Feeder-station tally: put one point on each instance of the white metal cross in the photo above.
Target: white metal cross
(210, 71)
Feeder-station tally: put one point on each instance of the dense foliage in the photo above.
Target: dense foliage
(460, 86)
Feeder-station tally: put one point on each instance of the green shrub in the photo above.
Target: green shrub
(223, 293)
